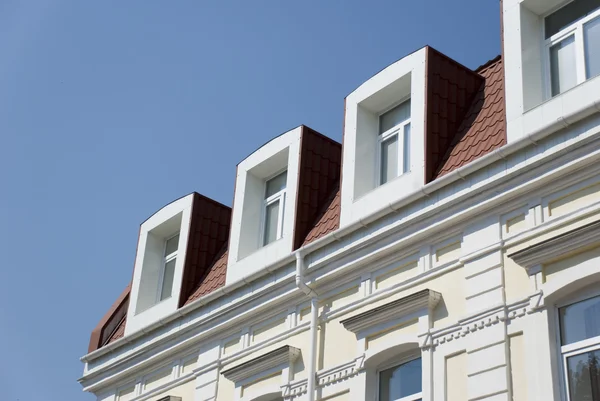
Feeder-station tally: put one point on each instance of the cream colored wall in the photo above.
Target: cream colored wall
(384, 337)
(158, 379)
(518, 371)
(516, 280)
(456, 377)
(185, 391)
(264, 331)
(574, 200)
(126, 394)
(225, 390)
(396, 275)
(557, 270)
(345, 396)
(336, 344)
(258, 387)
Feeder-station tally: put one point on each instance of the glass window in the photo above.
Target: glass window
(276, 184)
(591, 34)
(394, 142)
(580, 348)
(395, 116)
(562, 66)
(402, 382)
(580, 321)
(273, 208)
(271, 222)
(167, 283)
(389, 159)
(573, 43)
(172, 244)
(568, 14)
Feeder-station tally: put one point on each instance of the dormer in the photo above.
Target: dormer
(280, 190)
(176, 246)
(552, 61)
(398, 128)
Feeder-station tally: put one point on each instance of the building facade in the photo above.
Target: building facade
(449, 250)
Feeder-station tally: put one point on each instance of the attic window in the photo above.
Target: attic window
(394, 142)
(572, 38)
(273, 208)
(168, 268)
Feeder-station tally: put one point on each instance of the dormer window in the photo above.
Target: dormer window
(394, 142)
(274, 207)
(572, 36)
(168, 270)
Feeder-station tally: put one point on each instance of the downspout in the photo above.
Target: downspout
(314, 316)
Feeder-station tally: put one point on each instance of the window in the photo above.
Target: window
(580, 349)
(274, 206)
(572, 37)
(401, 382)
(168, 270)
(394, 142)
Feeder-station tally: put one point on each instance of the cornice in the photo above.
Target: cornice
(170, 398)
(283, 355)
(425, 299)
(534, 256)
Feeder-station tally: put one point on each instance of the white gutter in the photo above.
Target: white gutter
(561, 122)
(314, 320)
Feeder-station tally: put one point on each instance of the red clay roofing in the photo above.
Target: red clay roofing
(450, 89)
(319, 174)
(484, 127)
(213, 279)
(110, 322)
(209, 232)
(328, 219)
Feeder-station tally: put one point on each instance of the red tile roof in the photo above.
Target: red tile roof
(320, 167)
(209, 232)
(328, 219)
(450, 89)
(214, 278)
(484, 127)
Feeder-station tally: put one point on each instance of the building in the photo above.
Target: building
(448, 251)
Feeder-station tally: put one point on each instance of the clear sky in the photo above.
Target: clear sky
(111, 109)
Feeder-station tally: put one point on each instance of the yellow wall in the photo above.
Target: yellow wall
(456, 377)
(518, 372)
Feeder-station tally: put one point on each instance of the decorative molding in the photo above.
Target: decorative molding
(325, 377)
(280, 356)
(534, 256)
(483, 320)
(425, 299)
(170, 398)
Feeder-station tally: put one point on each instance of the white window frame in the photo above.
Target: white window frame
(397, 362)
(575, 29)
(397, 131)
(166, 259)
(279, 196)
(579, 347)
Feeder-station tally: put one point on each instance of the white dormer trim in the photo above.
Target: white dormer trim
(171, 219)
(247, 254)
(361, 189)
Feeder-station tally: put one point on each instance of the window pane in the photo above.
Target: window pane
(584, 376)
(389, 159)
(400, 381)
(569, 14)
(271, 218)
(580, 321)
(394, 117)
(276, 184)
(562, 65)
(172, 244)
(167, 284)
(406, 153)
(591, 33)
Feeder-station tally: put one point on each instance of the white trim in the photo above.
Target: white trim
(397, 131)
(167, 259)
(406, 358)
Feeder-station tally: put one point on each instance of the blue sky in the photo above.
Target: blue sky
(110, 110)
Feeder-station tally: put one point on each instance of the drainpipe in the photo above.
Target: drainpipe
(314, 316)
